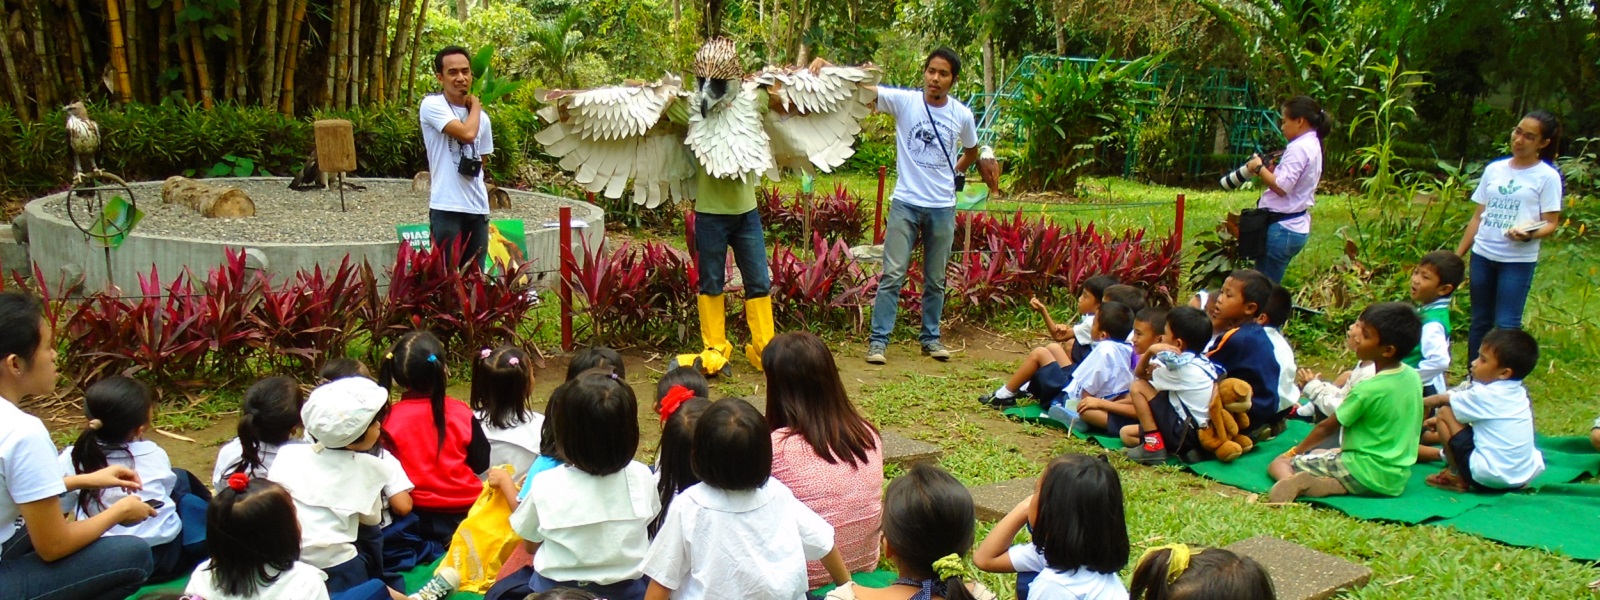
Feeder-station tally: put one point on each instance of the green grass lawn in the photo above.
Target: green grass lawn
(1167, 505)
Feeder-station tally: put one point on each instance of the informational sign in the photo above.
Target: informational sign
(508, 243)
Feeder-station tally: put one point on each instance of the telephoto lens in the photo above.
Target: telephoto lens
(1237, 177)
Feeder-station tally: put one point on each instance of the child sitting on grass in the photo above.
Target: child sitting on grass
(1273, 317)
(1172, 396)
(1243, 349)
(1322, 398)
(1056, 361)
(1102, 377)
(1435, 277)
(1488, 428)
(1183, 572)
(1149, 326)
(1379, 422)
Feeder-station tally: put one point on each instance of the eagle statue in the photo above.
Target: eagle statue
(710, 145)
(83, 136)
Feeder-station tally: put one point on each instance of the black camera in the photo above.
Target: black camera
(1237, 177)
(469, 166)
(961, 182)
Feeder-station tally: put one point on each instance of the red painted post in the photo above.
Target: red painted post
(877, 216)
(565, 216)
(1177, 224)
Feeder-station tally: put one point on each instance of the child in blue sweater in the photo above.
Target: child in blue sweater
(1244, 349)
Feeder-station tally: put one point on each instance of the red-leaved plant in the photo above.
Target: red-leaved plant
(636, 293)
(835, 215)
(827, 291)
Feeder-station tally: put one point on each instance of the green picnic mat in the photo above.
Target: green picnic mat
(1560, 518)
(1033, 413)
(880, 578)
(414, 580)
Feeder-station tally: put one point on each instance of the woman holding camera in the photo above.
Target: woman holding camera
(1291, 184)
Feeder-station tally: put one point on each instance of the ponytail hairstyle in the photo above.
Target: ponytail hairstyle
(1081, 520)
(269, 415)
(1304, 107)
(688, 378)
(928, 521)
(416, 363)
(1549, 129)
(502, 380)
(677, 439)
(116, 408)
(1183, 572)
(254, 537)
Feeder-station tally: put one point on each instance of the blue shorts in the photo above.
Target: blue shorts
(1048, 382)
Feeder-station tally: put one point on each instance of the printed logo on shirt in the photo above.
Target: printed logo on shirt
(1501, 211)
(929, 144)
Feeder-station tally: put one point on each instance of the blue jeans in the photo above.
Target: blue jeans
(1282, 246)
(111, 568)
(1499, 293)
(714, 235)
(936, 229)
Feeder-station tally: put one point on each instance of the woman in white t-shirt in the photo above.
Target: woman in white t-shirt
(1519, 203)
(54, 556)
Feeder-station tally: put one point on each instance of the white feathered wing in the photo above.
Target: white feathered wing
(608, 136)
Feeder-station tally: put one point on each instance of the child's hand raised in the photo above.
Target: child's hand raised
(1304, 376)
(1037, 305)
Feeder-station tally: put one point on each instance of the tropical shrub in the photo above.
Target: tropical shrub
(1069, 112)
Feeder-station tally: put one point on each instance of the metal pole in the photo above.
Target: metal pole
(1177, 224)
(565, 216)
(877, 216)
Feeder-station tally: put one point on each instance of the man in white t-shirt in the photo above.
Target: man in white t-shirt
(930, 126)
(456, 132)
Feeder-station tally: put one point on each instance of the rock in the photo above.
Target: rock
(904, 451)
(1300, 573)
(996, 499)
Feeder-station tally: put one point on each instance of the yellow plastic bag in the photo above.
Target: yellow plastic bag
(483, 541)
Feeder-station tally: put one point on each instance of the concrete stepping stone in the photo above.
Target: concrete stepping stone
(904, 451)
(1300, 573)
(994, 500)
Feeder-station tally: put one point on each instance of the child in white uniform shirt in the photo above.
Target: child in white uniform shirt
(1103, 376)
(1488, 428)
(1080, 534)
(502, 381)
(254, 533)
(1172, 396)
(738, 509)
(268, 418)
(586, 521)
(1322, 398)
(119, 411)
(1272, 318)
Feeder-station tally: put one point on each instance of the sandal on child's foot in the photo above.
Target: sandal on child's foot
(1303, 484)
(1445, 480)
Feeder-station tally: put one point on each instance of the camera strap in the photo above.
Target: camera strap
(935, 125)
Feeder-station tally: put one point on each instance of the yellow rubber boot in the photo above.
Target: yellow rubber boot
(713, 332)
(758, 313)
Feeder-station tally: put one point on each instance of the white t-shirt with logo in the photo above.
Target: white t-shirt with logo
(1513, 197)
(926, 151)
(28, 471)
(450, 191)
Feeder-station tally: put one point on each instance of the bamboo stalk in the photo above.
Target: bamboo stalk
(130, 31)
(377, 66)
(13, 77)
(241, 59)
(79, 85)
(416, 42)
(119, 56)
(83, 55)
(352, 56)
(291, 54)
(50, 85)
(335, 38)
(197, 55)
(186, 65)
(397, 46)
(163, 50)
(269, 59)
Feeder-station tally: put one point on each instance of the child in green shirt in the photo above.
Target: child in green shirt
(1381, 420)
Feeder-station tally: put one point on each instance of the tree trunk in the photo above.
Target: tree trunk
(462, 7)
(416, 41)
(377, 64)
(291, 54)
(13, 77)
(83, 54)
(268, 82)
(119, 56)
(986, 42)
(335, 36)
(352, 55)
(397, 46)
(49, 84)
(241, 58)
(163, 53)
(211, 201)
(130, 29)
(197, 55)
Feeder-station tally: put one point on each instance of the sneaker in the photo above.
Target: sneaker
(1262, 434)
(936, 350)
(876, 353)
(1067, 417)
(1303, 484)
(444, 582)
(1146, 457)
(991, 401)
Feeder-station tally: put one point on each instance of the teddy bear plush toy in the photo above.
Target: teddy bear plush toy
(1222, 436)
